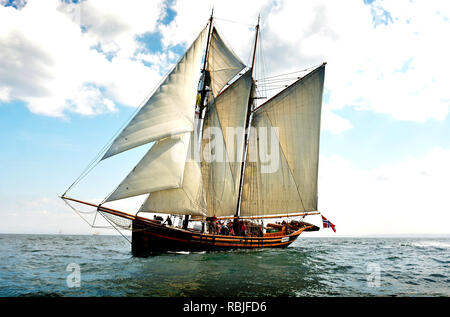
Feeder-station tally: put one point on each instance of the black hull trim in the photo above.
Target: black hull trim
(150, 237)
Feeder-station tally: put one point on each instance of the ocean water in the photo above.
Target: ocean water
(60, 265)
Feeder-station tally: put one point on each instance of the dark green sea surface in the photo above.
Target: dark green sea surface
(43, 265)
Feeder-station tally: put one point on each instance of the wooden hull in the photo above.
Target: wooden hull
(150, 237)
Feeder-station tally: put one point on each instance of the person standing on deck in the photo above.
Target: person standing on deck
(168, 220)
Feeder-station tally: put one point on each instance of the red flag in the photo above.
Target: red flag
(327, 224)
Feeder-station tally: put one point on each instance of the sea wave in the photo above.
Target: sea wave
(40, 266)
(431, 244)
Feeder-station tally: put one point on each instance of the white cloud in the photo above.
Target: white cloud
(51, 216)
(191, 18)
(43, 215)
(115, 24)
(333, 122)
(386, 57)
(398, 68)
(50, 64)
(5, 93)
(407, 197)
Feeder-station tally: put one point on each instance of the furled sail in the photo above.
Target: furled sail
(223, 63)
(161, 168)
(170, 110)
(222, 146)
(282, 161)
(188, 199)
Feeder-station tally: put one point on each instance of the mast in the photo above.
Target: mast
(203, 92)
(247, 124)
(254, 49)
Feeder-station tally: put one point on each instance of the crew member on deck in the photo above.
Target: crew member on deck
(186, 222)
(230, 228)
(168, 220)
(212, 225)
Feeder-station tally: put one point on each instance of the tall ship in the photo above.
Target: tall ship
(228, 168)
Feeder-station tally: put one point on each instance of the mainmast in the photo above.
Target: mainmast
(254, 50)
(247, 123)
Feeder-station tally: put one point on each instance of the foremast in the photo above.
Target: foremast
(204, 69)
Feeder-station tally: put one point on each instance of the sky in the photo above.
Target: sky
(73, 72)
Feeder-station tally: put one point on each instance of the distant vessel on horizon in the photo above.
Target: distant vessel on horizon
(220, 204)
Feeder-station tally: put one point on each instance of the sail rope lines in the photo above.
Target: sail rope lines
(96, 160)
(290, 73)
(260, 71)
(278, 82)
(231, 21)
(79, 212)
(296, 79)
(115, 227)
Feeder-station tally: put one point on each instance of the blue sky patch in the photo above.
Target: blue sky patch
(170, 14)
(376, 139)
(379, 14)
(18, 4)
(152, 41)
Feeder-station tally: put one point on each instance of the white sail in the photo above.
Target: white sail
(170, 110)
(222, 149)
(223, 63)
(188, 199)
(161, 168)
(292, 185)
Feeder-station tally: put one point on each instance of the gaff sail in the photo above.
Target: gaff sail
(223, 143)
(288, 183)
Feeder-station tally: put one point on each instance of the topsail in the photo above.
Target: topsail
(223, 64)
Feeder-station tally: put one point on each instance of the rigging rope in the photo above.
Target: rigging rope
(298, 71)
(231, 21)
(115, 228)
(95, 161)
(277, 80)
(79, 212)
